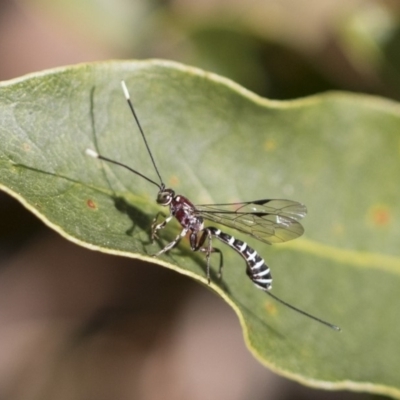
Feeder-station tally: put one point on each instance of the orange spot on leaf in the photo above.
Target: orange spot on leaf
(380, 215)
(270, 145)
(91, 204)
(270, 308)
(338, 229)
(173, 181)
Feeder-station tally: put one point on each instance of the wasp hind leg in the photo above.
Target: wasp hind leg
(197, 245)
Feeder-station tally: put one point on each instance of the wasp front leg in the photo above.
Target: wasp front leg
(155, 227)
(171, 245)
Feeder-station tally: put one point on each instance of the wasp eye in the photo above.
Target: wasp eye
(164, 198)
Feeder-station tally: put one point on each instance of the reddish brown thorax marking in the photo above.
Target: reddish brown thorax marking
(183, 210)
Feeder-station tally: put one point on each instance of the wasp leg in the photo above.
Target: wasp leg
(155, 227)
(197, 245)
(171, 245)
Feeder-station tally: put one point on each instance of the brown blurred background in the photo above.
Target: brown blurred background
(76, 324)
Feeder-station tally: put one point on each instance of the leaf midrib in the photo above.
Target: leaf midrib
(355, 258)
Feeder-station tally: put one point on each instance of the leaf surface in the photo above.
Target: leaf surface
(215, 142)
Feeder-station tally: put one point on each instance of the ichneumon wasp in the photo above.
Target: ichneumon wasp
(270, 221)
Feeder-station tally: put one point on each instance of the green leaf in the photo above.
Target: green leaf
(216, 142)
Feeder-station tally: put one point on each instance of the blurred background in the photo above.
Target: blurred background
(76, 324)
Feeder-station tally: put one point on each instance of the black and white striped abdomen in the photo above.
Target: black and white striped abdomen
(256, 269)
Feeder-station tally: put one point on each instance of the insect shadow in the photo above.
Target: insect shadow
(143, 221)
(138, 218)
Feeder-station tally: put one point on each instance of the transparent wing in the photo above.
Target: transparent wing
(271, 221)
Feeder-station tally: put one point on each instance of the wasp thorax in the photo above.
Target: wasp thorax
(165, 196)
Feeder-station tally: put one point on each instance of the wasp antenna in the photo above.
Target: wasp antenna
(91, 153)
(125, 90)
(94, 154)
(321, 321)
(128, 99)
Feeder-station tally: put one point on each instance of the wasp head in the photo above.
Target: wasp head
(165, 196)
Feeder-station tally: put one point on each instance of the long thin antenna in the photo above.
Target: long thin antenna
(128, 99)
(334, 327)
(94, 154)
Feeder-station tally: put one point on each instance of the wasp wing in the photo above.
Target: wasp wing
(271, 221)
